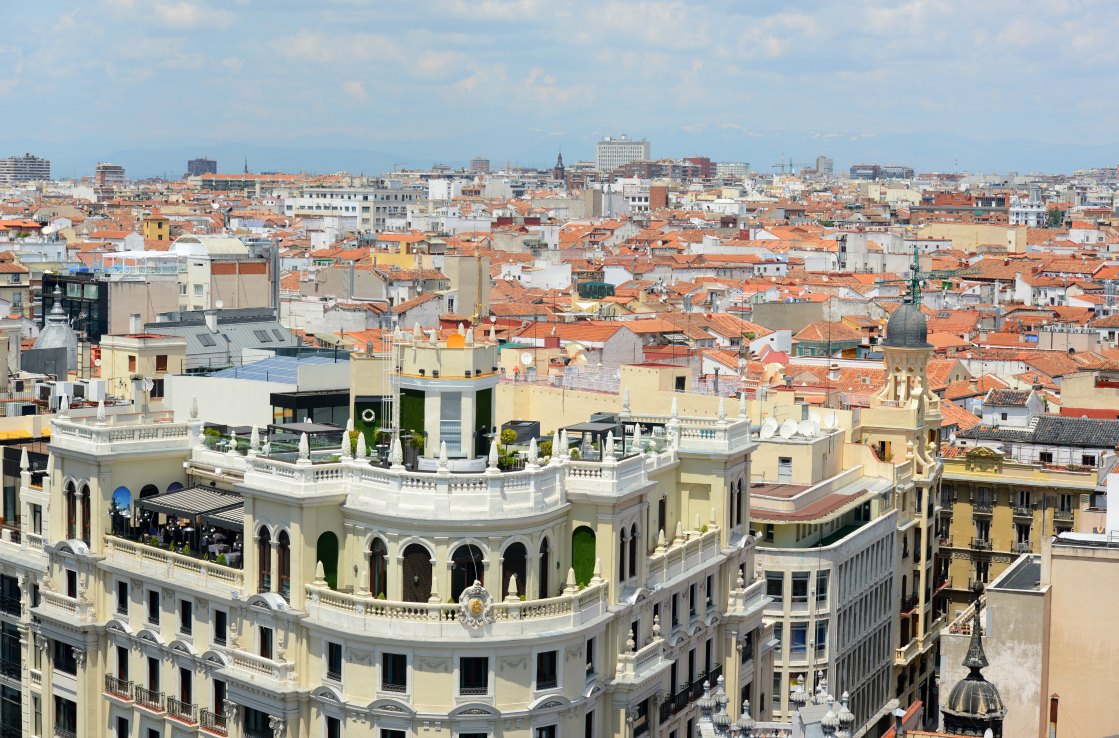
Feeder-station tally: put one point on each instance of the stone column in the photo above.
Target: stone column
(274, 565)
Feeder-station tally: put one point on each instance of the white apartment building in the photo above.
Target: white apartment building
(734, 169)
(827, 551)
(354, 595)
(26, 168)
(372, 206)
(611, 153)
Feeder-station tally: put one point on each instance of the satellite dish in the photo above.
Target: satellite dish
(831, 420)
(806, 428)
(788, 429)
(147, 384)
(219, 304)
(97, 362)
(769, 427)
(526, 358)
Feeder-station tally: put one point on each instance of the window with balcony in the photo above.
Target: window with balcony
(590, 656)
(221, 626)
(265, 642)
(122, 598)
(394, 672)
(10, 595)
(65, 717)
(547, 670)
(153, 607)
(334, 661)
(473, 675)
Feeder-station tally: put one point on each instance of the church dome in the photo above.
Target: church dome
(907, 328)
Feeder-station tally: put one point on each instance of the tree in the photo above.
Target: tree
(508, 437)
(1055, 218)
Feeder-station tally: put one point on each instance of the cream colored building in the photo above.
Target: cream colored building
(608, 590)
(128, 360)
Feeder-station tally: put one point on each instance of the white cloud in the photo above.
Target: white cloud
(355, 90)
(335, 48)
(188, 15)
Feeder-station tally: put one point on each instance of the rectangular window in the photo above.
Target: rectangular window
(1088, 459)
(1045, 457)
(153, 607)
(590, 655)
(775, 584)
(333, 727)
(588, 725)
(388, 733)
(710, 591)
(545, 731)
(161, 362)
(186, 617)
(71, 583)
(334, 661)
(394, 672)
(153, 673)
(219, 697)
(131, 363)
(65, 715)
(798, 639)
(122, 663)
(547, 673)
(691, 600)
(473, 675)
(800, 587)
(821, 636)
(122, 727)
(822, 586)
(62, 657)
(265, 642)
(122, 598)
(220, 627)
(186, 686)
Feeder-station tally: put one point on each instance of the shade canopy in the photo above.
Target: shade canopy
(191, 502)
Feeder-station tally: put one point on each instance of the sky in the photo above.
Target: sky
(366, 85)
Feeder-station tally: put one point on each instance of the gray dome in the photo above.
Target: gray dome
(57, 333)
(974, 704)
(907, 328)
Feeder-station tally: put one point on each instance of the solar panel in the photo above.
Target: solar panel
(206, 339)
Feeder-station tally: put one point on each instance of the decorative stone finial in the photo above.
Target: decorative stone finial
(493, 453)
(417, 332)
(362, 447)
(533, 451)
(596, 574)
(194, 408)
(511, 594)
(304, 447)
(254, 439)
(101, 410)
(397, 453)
(462, 330)
(24, 462)
(320, 575)
(656, 626)
(635, 442)
(745, 723)
(232, 450)
(571, 587)
(344, 446)
(608, 446)
(443, 454)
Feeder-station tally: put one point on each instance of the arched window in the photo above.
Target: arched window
(264, 560)
(121, 510)
(633, 550)
(622, 554)
(71, 511)
(283, 564)
(545, 567)
(466, 567)
(86, 504)
(326, 551)
(416, 584)
(740, 503)
(514, 563)
(149, 490)
(378, 568)
(583, 554)
(174, 487)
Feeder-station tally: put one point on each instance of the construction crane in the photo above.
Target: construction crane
(787, 164)
(917, 277)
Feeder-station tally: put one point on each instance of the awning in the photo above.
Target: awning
(189, 503)
(232, 518)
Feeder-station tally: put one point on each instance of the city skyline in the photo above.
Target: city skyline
(372, 86)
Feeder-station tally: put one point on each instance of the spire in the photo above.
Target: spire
(976, 659)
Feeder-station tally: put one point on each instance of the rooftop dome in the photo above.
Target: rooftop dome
(57, 333)
(974, 705)
(907, 328)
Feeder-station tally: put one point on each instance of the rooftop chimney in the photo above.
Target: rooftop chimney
(211, 320)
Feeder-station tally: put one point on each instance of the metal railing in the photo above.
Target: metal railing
(982, 508)
(334, 676)
(549, 683)
(1023, 547)
(118, 687)
(908, 603)
(688, 694)
(981, 544)
(148, 698)
(11, 668)
(64, 733)
(1023, 512)
(1062, 514)
(473, 691)
(214, 723)
(181, 710)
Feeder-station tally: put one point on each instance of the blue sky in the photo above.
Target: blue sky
(326, 84)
